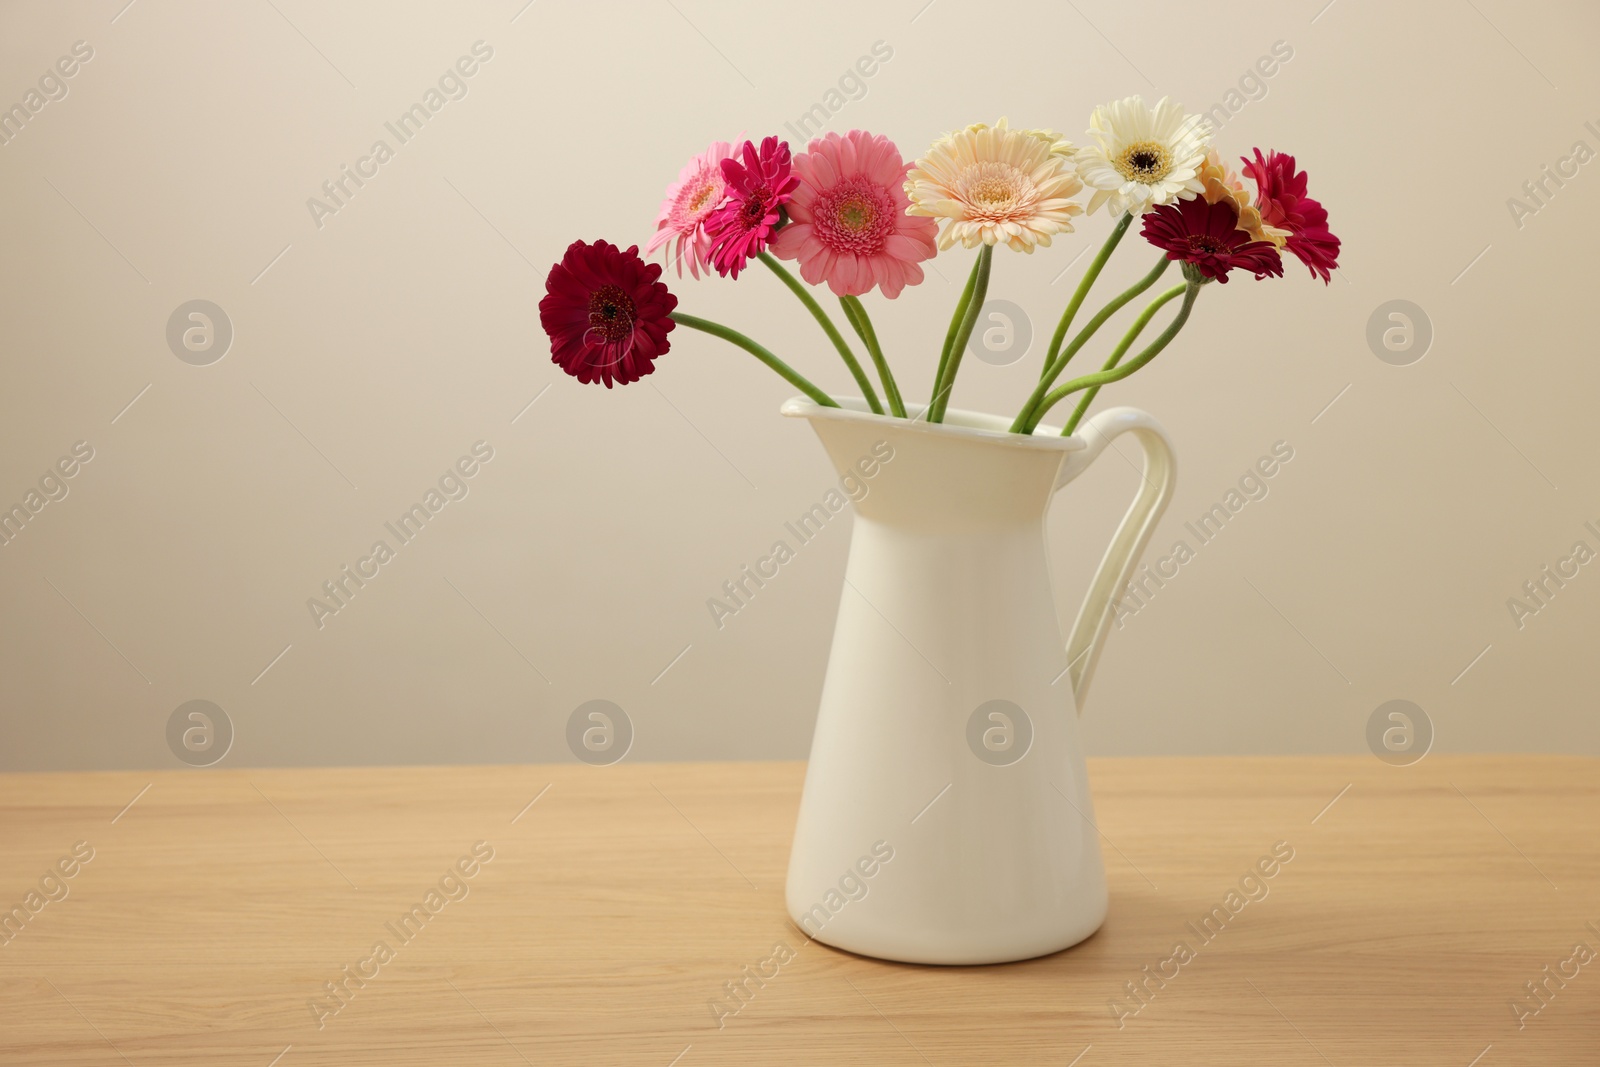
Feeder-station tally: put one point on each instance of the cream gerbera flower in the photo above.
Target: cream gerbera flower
(1142, 155)
(994, 185)
(1221, 184)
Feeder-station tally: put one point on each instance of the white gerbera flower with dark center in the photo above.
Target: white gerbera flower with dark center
(1142, 156)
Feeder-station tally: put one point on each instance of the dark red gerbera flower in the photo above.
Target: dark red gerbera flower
(1281, 198)
(1208, 236)
(757, 189)
(606, 314)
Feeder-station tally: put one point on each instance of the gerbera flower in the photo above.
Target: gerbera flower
(1285, 207)
(847, 221)
(1142, 156)
(994, 185)
(1223, 184)
(757, 191)
(1207, 236)
(606, 314)
(699, 190)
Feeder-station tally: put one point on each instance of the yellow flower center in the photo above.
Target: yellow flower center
(1144, 161)
(994, 191)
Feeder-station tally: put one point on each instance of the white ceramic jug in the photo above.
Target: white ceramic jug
(946, 816)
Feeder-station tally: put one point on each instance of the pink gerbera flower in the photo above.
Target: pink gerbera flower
(757, 191)
(699, 190)
(847, 221)
(1289, 212)
(606, 313)
(1208, 237)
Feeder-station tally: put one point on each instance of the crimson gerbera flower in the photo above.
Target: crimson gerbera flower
(757, 189)
(1281, 198)
(1208, 237)
(606, 314)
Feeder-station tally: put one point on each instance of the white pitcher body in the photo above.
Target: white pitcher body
(946, 816)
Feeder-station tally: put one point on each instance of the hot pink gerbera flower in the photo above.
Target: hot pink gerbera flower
(847, 221)
(757, 191)
(1285, 208)
(607, 315)
(699, 190)
(1208, 237)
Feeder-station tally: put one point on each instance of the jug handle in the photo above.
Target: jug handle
(1158, 480)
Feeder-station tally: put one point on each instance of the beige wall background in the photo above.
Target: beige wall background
(371, 351)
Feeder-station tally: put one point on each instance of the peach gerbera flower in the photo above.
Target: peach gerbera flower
(847, 221)
(1223, 184)
(993, 185)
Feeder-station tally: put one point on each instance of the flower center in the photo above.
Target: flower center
(1144, 161)
(755, 208)
(1205, 243)
(995, 192)
(855, 216)
(611, 315)
(698, 199)
(991, 191)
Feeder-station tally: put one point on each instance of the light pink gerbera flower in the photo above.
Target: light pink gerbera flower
(847, 222)
(699, 190)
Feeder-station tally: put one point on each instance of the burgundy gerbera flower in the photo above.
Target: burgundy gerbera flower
(606, 314)
(1208, 236)
(1281, 198)
(757, 189)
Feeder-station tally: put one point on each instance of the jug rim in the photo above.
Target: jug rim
(959, 423)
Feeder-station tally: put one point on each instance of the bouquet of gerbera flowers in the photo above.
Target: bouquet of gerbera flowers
(852, 214)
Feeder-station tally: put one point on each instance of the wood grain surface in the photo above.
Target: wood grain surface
(1419, 903)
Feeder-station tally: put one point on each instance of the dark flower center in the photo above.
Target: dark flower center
(611, 315)
(1143, 161)
(755, 208)
(1204, 242)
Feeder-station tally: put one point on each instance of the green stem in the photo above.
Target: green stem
(798, 288)
(792, 376)
(856, 312)
(1121, 350)
(958, 344)
(1030, 414)
(939, 389)
(1116, 374)
(1084, 285)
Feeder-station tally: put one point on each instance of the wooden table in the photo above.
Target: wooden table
(218, 904)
